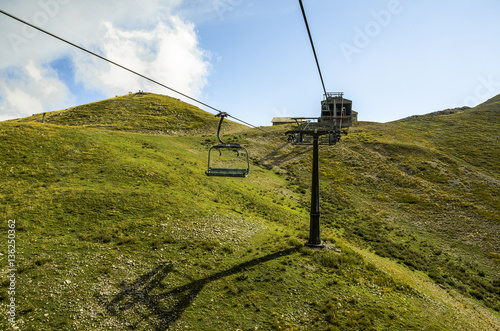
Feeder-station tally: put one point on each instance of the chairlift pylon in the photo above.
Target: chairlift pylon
(234, 151)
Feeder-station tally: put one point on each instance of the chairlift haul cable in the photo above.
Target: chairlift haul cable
(221, 172)
(125, 68)
(134, 72)
(312, 45)
(105, 59)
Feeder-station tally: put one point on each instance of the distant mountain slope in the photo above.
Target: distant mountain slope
(442, 170)
(139, 112)
(470, 134)
(493, 100)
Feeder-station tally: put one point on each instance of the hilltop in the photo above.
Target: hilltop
(136, 112)
(117, 226)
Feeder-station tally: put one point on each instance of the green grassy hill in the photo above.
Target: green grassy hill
(137, 112)
(117, 226)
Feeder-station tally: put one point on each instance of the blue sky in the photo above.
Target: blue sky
(252, 59)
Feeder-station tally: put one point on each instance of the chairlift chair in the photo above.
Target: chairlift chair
(239, 168)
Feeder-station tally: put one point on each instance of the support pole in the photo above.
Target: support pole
(314, 231)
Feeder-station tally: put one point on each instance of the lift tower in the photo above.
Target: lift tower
(335, 120)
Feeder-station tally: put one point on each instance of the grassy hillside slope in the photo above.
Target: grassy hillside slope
(137, 112)
(117, 227)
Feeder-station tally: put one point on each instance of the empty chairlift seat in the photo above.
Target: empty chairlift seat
(227, 160)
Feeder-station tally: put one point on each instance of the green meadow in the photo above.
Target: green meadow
(117, 227)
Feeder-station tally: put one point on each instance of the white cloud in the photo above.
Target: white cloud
(33, 89)
(168, 53)
(146, 37)
(34, 72)
(17, 103)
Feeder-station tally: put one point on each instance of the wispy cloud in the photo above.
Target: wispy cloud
(168, 53)
(33, 89)
(149, 39)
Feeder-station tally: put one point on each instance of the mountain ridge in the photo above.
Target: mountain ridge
(140, 112)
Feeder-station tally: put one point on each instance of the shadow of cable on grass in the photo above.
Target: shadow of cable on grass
(275, 158)
(163, 309)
